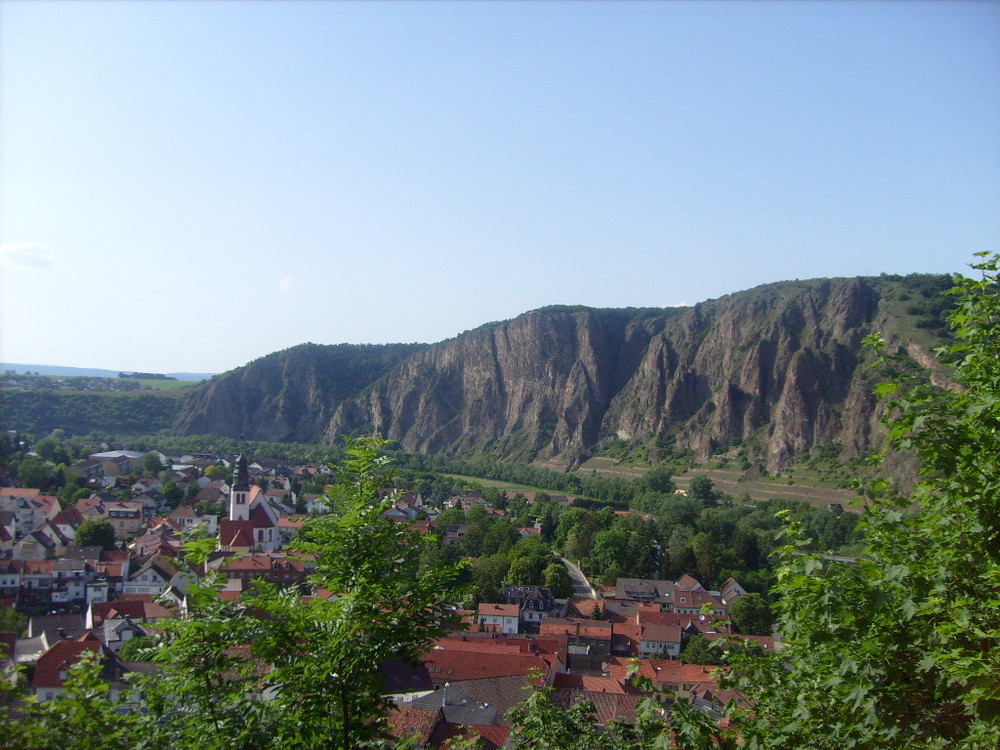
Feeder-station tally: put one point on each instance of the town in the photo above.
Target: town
(101, 575)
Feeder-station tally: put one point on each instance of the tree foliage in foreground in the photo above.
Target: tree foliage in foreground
(902, 649)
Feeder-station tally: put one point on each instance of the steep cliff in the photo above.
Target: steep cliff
(779, 368)
(289, 395)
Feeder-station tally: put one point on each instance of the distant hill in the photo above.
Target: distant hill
(289, 395)
(90, 372)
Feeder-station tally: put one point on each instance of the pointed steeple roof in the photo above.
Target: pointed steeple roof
(241, 476)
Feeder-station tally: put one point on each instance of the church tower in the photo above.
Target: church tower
(239, 492)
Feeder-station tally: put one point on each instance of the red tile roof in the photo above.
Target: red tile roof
(25, 492)
(57, 659)
(406, 722)
(236, 534)
(451, 666)
(499, 610)
(608, 707)
(588, 682)
(664, 671)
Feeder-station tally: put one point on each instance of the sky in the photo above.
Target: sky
(190, 186)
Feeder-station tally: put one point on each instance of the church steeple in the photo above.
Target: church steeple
(239, 492)
(241, 476)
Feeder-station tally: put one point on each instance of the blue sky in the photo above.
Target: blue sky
(189, 186)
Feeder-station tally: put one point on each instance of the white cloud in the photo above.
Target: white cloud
(285, 285)
(25, 255)
(678, 304)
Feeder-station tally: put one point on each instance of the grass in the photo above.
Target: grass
(169, 385)
(504, 486)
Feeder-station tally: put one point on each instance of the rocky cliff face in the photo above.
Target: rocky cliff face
(779, 367)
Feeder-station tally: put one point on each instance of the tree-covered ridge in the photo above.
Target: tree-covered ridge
(40, 412)
(344, 368)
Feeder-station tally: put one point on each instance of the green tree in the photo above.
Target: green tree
(752, 615)
(500, 538)
(50, 449)
(702, 488)
(326, 654)
(556, 578)
(172, 492)
(700, 650)
(526, 570)
(132, 649)
(659, 479)
(488, 575)
(12, 621)
(95, 532)
(34, 472)
(150, 464)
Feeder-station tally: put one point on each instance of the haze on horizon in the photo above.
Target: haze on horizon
(190, 186)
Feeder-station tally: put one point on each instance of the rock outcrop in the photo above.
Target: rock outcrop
(779, 368)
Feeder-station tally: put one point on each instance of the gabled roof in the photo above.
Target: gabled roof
(588, 682)
(499, 610)
(664, 671)
(139, 609)
(19, 492)
(263, 562)
(406, 722)
(162, 565)
(661, 633)
(484, 736)
(597, 629)
(59, 658)
(49, 504)
(688, 583)
(38, 567)
(402, 677)
(644, 586)
(262, 516)
(69, 516)
(608, 707)
(236, 534)
(453, 666)
(89, 504)
(210, 494)
(90, 553)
